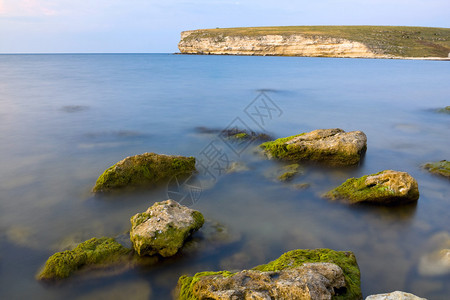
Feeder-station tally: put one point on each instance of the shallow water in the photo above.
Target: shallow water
(66, 118)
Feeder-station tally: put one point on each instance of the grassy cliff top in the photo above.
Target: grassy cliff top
(399, 41)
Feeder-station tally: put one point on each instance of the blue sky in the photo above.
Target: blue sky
(35, 26)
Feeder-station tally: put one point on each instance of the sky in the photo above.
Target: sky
(148, 26)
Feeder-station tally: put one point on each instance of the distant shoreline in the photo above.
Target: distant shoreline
(379, 57)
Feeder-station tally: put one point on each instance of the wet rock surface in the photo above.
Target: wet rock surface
(334, 147)
(436, 262)
(163, 228)
(384, 188)
(397, 295)
(148, 169)
(298, 274)
(94, 252)
(440, 167)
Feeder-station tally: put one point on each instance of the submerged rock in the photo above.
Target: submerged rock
(289, 172)
(445, 110)
(148, 169)
(298, 274)
(237, 167)
(440, 167)
(331, 146)
(386, 187)
(94, 252)
(437, 261)
(163, 228)
(397, 295)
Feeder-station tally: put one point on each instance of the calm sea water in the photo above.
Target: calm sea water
(66, 118)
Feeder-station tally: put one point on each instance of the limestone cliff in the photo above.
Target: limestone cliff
(279, 45)
(323, 41)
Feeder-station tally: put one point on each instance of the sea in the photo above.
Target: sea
(65, 118)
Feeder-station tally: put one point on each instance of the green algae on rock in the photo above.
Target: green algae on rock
(289, 172)
(387, 187)
(440, 167)
(96, 251)
(163, 228)
(334, 147)
(148, 169)
(326, 273)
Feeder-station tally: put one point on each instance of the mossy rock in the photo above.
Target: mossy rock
(334, 147)
(445, 110)
(163, 228)
(384, 188)
(148, 169)
(289, 172)
(187, 288)
(96, 251)
(440, 167)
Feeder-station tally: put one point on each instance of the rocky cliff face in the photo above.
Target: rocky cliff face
(193, 42)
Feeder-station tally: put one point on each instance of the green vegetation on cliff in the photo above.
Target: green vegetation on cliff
(398, 41)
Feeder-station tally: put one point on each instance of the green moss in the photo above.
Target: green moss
(346, 260)
(186, 284)
(296, 258)
(91, 252)
(289, 172)
(441, 167)
(148, 169)
(166, 242)
(355, 190)
(293, 152)
(240, 136)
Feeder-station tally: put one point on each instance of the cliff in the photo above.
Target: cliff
(320, 41)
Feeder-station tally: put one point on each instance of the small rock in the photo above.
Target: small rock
(301, 186)
(331, 146)
(289, 172)
(148, 169)
(163, 228)
(397, 295)
(236, 167)
(94, 252)
(441, 168)
(386, 187)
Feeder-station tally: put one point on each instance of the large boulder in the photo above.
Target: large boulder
(397, 295)
(387, 187)
(440, 167)
(163, 228)
(331, 146)
(94, 252)
(298, 274)
(148, 169)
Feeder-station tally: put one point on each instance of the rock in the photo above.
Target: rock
(445, 110)
(301, 186)
(163, 228)
(289, 172)
(298, 274)
(148, 169)
(386, 187)
(237, 167)
(397, 295)
(441, 167)
(94, 252)
(331, 146)
(437, 261)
